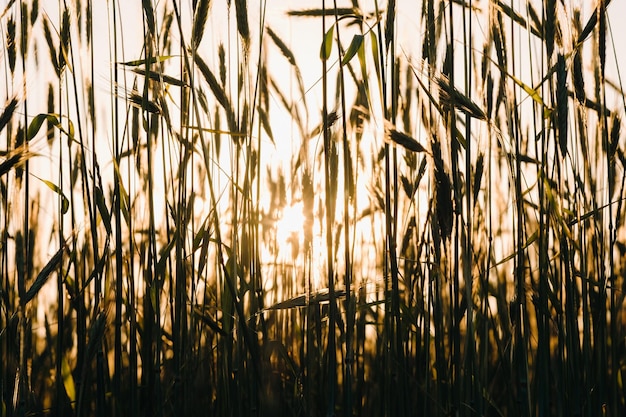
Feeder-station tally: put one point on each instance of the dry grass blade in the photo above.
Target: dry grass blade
(156, 76)
(339, 11)
(44, 274)
(148, 60)
(306, 299)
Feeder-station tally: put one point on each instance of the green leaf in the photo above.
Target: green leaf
(65, 203)
(68, 381)
(355, 45)
(529, 242)
(52, 118)
(36, 123)
(327, 44)
(376, 59)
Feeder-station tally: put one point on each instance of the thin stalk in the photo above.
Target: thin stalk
(117, 211)
(347, 167)
(454, 283)
(521, 339)
(329, 206)
(472, 383)
(24, 265)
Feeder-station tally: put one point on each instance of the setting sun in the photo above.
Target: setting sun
(290, 228)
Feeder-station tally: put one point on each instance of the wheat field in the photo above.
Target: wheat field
(312, 209)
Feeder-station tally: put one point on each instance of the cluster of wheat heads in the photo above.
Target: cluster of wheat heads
(182, 233)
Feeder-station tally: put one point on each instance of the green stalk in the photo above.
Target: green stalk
(347, 168)
(329, 217)
(472, 382)
(23, 257)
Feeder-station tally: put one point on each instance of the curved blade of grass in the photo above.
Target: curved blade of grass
(355, 45)
(51, 118)
(68, 381)
(528, 242)
(44, 274)
(327, 43)
(339, 11)
(156, 76)
(151, 60)
(65, 203)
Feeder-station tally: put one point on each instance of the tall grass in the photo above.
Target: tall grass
(457, 174)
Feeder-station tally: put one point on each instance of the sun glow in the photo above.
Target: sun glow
(290, 229)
